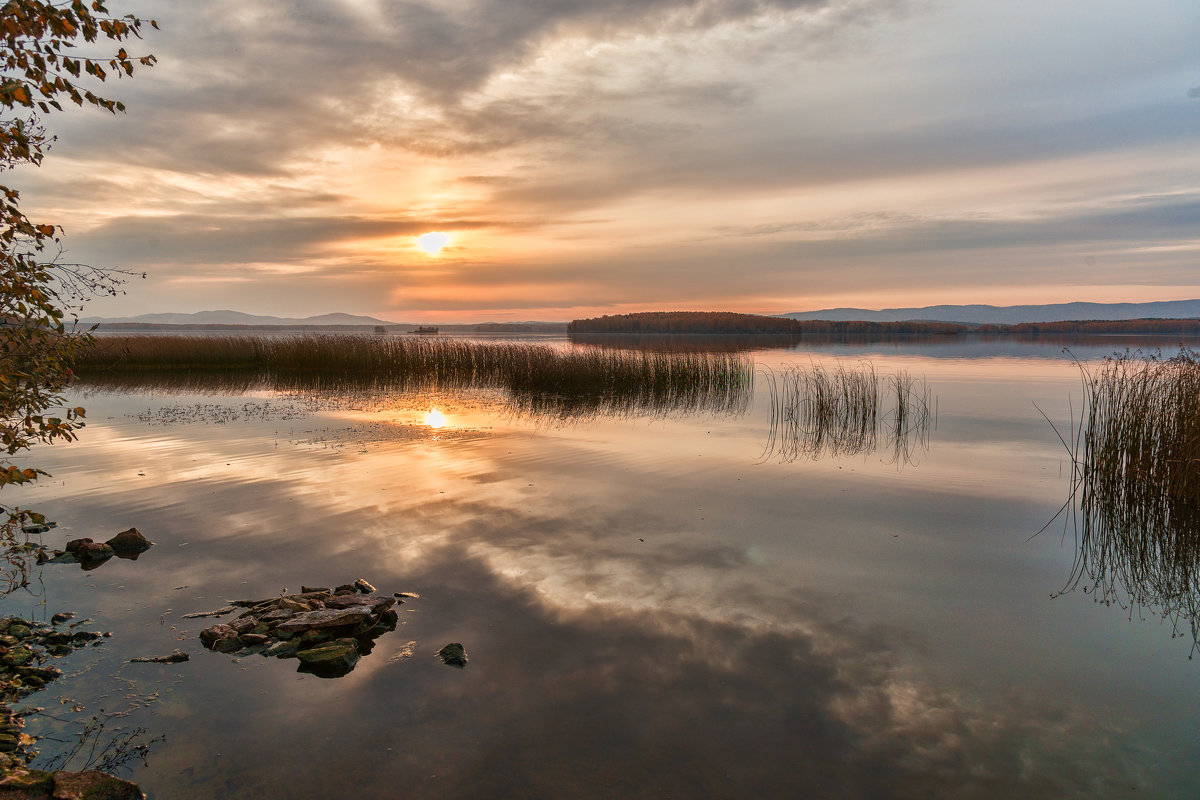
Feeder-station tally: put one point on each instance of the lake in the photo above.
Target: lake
(655, 601)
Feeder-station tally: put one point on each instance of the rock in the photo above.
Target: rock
(313, 589)
(129, 541)
(314, 637)
(331, 659)
(44, 674)
(62, 617)
(220, 612)
(407, 595)
(210, 636)
(17, 656)
(453, 655)
(364, 587)
(62, 557)
(289, 604)
(88, 551)
(278, 615)
(93, 786)
(345, 588)
(251, 639)
(376, 604)
(325, 618)
(33, 784)
(230, 644)
(175, 657)
(18, 631)
(283, 649)
(243, 624)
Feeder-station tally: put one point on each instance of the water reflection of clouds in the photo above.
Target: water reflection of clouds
(680, 664)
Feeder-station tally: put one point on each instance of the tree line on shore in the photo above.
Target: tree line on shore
(724, 322)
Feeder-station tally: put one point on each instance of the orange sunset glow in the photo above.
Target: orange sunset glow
(594, 161)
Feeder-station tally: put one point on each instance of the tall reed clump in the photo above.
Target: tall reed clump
(817, 412)
(1136, 486)
(541, 379)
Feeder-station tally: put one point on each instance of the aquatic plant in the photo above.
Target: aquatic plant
(540, 380)
(1135, 489)
(817, 412)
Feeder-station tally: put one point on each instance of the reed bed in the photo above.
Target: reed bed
(1135, 492)
(541, 379)
(818, 412)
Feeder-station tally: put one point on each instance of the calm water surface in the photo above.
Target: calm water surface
(652, 606)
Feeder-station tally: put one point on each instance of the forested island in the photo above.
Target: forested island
(724, 322)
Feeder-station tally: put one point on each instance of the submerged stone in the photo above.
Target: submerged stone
(174, 657)
(453, 655)
(283, 649)
(330, 659)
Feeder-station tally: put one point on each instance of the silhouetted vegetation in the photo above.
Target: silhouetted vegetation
(818, 412)
(539, 378)
(685, 322)
(1136, 487)
(689, 343)
(1186, 327)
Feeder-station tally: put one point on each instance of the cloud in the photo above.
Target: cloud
(1194, 92)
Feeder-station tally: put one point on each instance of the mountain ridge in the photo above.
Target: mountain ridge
(1009, 315)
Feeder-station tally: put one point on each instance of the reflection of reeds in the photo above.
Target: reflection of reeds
(542, 380)
(818, 412)
(1136, 486)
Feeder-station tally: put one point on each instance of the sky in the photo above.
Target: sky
(587, 157)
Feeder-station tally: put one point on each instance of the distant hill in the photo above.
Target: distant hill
(238, 318)
(1011, 315)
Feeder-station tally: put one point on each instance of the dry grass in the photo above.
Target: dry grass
(542, 380)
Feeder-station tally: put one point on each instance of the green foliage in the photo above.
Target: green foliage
(40, 65)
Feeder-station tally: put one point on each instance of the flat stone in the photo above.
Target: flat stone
(364, 587)
(376, 604)
(251, 639)
(278, 614)
(174, 657)
(325, 618)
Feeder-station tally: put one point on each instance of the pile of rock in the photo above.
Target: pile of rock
(327, 630)
(90, 554)
(24, 647)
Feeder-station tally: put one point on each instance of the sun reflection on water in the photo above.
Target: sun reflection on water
(435, 419)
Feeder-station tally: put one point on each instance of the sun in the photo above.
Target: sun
(431, 244)
(435, 419)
